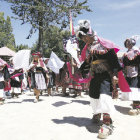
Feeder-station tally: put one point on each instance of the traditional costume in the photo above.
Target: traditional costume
(38, 71)
(71, 47)
(62, 79)
(50, 82)
(73, 85)
(16, 77)
(4, 77)
(104, 67)
(131, 61)
(16, 82)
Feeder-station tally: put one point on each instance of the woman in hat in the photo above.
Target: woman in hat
(131, 61)
(38, 72)
(104, 67)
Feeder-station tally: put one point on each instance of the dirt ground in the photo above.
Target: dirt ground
(61, 118)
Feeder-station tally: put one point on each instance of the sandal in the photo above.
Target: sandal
(105, 131)
(134, 112)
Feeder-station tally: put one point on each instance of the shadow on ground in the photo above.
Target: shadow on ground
(81, 102)
(80, 122)
(123, 110)
(14, 102)
(30, 100)
(60, 103)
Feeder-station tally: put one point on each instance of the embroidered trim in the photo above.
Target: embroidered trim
(132, 54)
(98, 49)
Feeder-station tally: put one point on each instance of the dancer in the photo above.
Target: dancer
(16, 82)
(139, 74)
(131, 61)
(104, 67)
(16, 78)
(4, 77)
(62, 79)
(50, 82)
(38, 75)
(73, 85)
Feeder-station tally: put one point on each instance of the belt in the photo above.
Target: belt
(98, 61)
(38, 71)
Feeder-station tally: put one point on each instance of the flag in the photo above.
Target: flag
(21, 59)
(54, 63)
(72, 48)
(71, 25)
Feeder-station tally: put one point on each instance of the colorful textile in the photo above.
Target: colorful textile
(83, 53)
(75, 85)
(37, 53)
(7, 86)
(136, 104)
(76, 77)
(133, 53)
(108, 44)
(106, 119)
(122, 81)
(16, 75)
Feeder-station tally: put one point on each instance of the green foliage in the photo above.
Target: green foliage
(6, 36)
(53, 41)
(44, 13)
(52, 11)
(21, 47)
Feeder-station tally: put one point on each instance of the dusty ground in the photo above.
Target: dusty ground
(61, 118)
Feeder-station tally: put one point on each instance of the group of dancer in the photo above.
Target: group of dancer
(100, 64)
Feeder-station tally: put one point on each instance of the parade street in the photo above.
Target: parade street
(61, 118)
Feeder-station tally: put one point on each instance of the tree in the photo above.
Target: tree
(6, 35)
(53, 41)
(21, 47)
(43, 13)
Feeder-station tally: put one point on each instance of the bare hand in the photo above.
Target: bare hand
(115, 80)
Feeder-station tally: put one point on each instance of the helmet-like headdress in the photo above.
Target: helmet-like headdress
(83, 28)
(132, 40)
